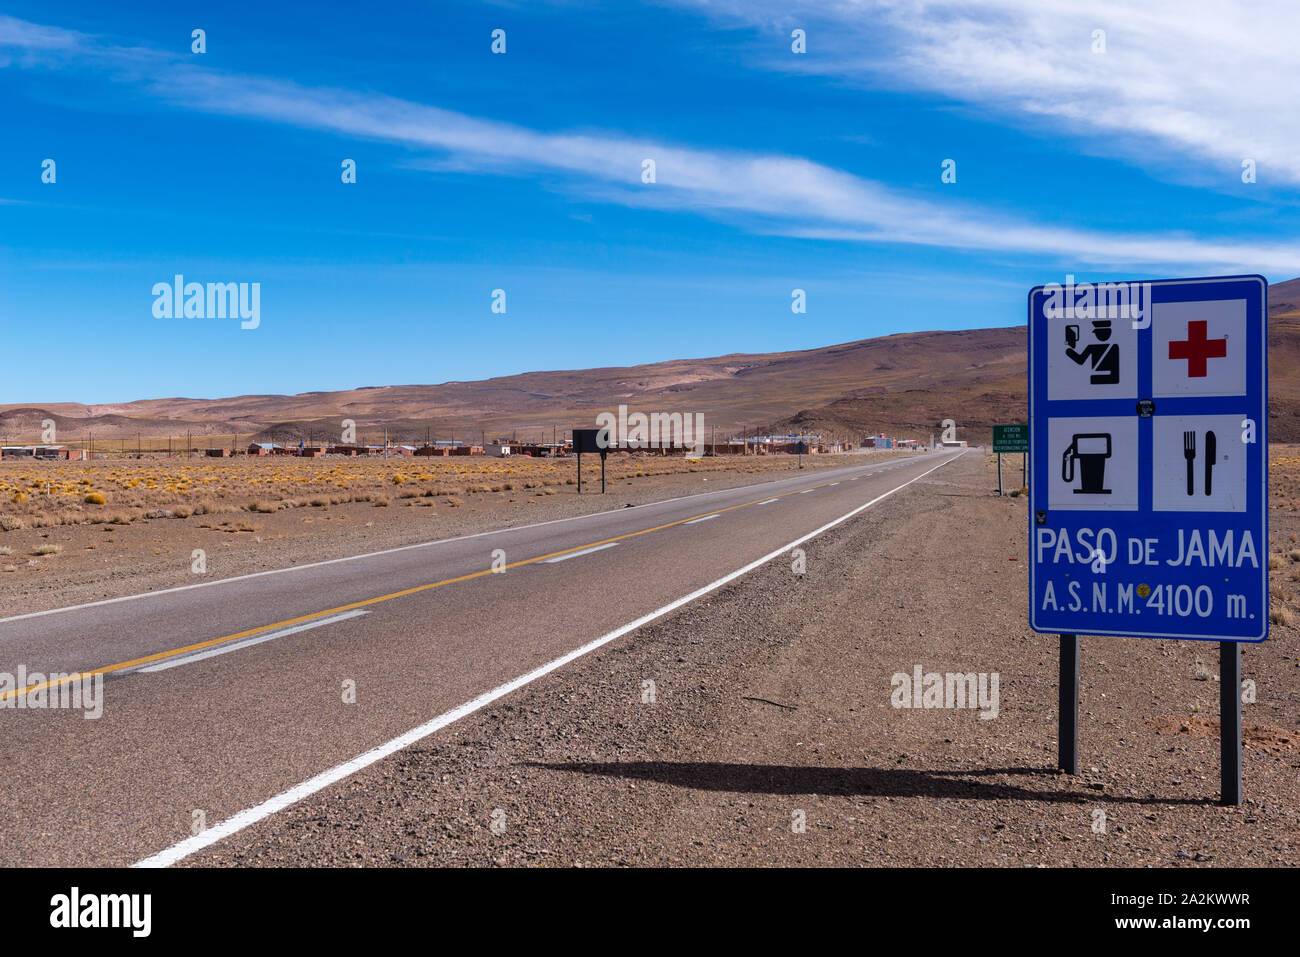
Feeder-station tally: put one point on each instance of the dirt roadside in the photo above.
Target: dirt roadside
(772, 707)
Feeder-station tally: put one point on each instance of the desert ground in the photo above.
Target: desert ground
(72, 532)
(771, 738)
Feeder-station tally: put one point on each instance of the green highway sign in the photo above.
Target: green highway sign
(1011, 438)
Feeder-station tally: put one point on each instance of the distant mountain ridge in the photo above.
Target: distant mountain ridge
(902, 383)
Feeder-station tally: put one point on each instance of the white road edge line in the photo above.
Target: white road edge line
(249, 642)
(702, 518)
(183, 849)
(363, 555)
(585, 551)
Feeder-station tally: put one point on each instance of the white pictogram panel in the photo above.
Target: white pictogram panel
(1198, 348)
(1094, 463)
(1198, 464)
(1091, 359)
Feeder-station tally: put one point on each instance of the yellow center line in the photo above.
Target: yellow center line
(199, 646)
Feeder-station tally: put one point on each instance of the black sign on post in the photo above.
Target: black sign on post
(589, 440)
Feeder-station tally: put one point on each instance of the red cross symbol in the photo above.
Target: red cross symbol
(1196, 349)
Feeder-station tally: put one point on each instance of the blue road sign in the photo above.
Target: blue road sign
(1148, 503)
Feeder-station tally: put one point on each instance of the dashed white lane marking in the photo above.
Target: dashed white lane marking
(807, 490)
(833, 483)
(224, 649)
(766, 501)
(585, 551)
(259, 812)
(702, 518)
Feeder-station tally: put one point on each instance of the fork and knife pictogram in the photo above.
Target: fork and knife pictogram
(1189, 453)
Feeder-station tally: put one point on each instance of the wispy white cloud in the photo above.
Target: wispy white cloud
(768, 193)
(1203, 82)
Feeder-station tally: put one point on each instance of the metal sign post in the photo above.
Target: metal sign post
(588, 440)
(1010, 439)
(1230, 721)
(1067, 723)
(1148, 512)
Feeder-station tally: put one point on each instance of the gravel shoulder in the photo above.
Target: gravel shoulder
(770, 737)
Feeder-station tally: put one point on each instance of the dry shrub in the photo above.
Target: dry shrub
(95, 498)
(380, 501)
(59, 518)
(453, 501)
(240, 526)
(11, 523)
(110, 518)
(47, 549)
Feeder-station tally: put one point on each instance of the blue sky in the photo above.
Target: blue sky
(522, 172)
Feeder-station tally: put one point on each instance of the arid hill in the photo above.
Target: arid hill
(906, 384)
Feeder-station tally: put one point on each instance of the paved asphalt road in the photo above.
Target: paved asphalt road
(219, 697)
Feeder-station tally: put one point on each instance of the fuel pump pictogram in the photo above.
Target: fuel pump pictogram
(1090, 450)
